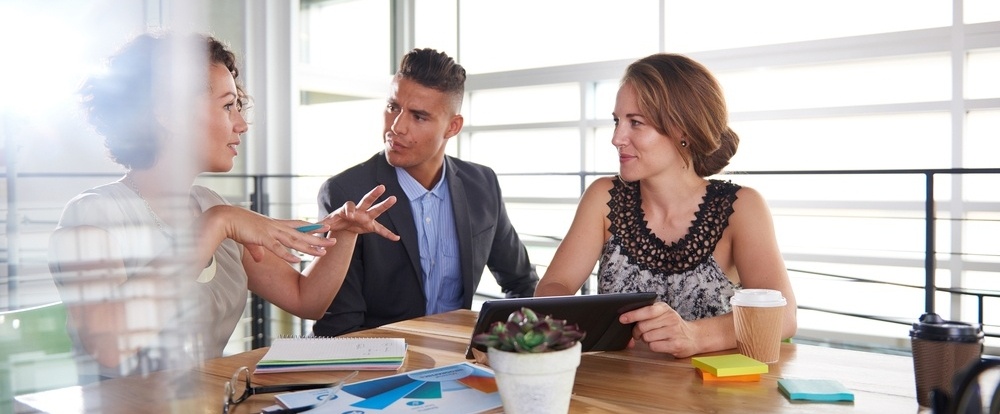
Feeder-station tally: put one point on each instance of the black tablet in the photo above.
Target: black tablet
(597, 315)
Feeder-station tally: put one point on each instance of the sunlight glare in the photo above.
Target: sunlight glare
(40, 71)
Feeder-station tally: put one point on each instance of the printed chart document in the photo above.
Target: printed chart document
(333, 354)
(453, 389)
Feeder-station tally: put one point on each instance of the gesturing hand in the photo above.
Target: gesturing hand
(360, 218)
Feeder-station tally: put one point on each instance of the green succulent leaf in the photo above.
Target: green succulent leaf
(526, 332)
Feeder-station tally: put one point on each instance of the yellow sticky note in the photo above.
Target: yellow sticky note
(729, 365)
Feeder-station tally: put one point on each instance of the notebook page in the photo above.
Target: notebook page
(334, 349)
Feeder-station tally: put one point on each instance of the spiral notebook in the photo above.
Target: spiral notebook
(333, 354)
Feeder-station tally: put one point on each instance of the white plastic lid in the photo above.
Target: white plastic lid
(764, 298)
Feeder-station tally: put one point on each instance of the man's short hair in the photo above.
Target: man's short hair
(436, 70)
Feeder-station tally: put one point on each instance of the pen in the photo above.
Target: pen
(309, 227)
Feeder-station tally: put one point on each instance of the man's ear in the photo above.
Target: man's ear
(455, 126)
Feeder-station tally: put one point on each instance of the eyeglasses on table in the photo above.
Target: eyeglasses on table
(240, 387)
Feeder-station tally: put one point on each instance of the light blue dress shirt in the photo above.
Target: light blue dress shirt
(438, 241)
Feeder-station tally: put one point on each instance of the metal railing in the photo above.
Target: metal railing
(258, 200)
(930, 241)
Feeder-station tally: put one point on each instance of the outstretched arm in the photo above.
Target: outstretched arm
(257, 233)
(309, 295)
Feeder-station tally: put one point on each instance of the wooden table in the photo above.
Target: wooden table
(630, 381)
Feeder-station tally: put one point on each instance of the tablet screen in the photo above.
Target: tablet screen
(597, 315)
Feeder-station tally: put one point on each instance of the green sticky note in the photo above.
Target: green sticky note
(814, 390)
(729, 365)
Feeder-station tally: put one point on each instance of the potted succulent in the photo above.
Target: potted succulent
(535, 360)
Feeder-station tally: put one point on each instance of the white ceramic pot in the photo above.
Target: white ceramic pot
(539, 383)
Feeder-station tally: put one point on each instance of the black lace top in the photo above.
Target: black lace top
(684, 274)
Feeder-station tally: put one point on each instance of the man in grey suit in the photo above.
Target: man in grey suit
(450, 215)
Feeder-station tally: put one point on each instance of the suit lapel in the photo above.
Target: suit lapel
(401, 215)
(463, 228)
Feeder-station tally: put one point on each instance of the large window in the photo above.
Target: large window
(693, 26)
(524, 34)
(855, 85)
(345, 38)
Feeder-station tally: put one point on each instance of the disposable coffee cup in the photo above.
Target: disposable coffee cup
(757, 315)
(941, 349)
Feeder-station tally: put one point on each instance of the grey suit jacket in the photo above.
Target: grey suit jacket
(384, 282)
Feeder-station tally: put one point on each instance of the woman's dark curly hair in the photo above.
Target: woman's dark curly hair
(121, 102)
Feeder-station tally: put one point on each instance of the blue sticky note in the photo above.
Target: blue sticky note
(814, 390)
